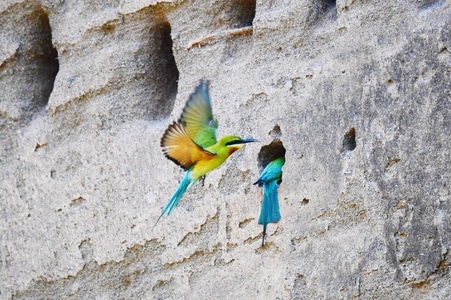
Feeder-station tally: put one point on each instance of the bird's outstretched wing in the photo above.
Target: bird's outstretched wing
(180, 148)
(197, 117)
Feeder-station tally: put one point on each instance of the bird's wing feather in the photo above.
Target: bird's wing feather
(198, 119)
(272, 171)
(181, 149)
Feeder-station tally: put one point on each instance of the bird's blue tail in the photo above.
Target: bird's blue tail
(175, 198)
(270, 212)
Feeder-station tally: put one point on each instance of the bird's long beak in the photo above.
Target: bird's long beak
(248, 140)
(241, 141)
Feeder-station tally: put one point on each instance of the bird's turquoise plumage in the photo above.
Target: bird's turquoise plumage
(269, 179)
(175, 198)
(270, 212)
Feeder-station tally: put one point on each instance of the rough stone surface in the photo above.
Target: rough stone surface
(359, 90)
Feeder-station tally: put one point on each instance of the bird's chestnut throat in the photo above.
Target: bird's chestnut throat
(233, 149)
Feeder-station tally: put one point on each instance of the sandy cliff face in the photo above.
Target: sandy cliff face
(359, 89)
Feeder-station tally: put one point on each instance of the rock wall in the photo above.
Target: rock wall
(358, 91)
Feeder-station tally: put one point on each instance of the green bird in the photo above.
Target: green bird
(192, 144)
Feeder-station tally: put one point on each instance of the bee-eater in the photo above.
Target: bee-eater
(191, 143)
(270, 178)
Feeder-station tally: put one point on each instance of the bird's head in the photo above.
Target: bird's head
(233, 143)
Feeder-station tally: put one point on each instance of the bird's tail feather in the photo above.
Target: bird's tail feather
(270, 212)
(175, 198)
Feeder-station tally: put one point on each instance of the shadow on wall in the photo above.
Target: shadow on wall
(322, 10)
(242, 13)
(31, 67)
(162, 65)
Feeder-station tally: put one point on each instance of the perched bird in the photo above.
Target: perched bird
(270, 178)
(191, 143)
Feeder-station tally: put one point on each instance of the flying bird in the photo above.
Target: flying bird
(191, 143)
(269, 179)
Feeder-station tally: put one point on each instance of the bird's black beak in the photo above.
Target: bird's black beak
(248, 140)
(242, 141)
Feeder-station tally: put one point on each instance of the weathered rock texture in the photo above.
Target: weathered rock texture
(361, 93)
